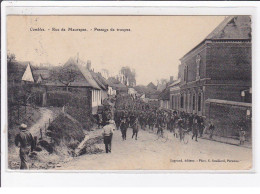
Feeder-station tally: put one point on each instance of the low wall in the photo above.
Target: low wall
(229, 116)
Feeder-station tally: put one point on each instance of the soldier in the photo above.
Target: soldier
(211, 129)
(24, 140)
(190, 118)
(168, 121)
(135, 128)
(141, 120)
(123, 127)
(99, 118)
(171, 122)
(151, 121)
(200, 126)
(160, 124)
(181, 127)
(117, 119)
(195, 128)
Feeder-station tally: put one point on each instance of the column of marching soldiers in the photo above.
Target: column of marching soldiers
(133, 113)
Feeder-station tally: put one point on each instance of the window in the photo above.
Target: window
(182, 101)
(188, 101)
(186, 73)
(193, 102)
(199, 102)
(198, 60)
(187, 70)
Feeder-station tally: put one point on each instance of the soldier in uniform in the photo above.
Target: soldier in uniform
(123, 127)
(135, 128)
(160, 123)
(24, 140)
(200, 126)
(195, 128)
(141, 119)
(181, 127)
(151, 120)
(117, 119)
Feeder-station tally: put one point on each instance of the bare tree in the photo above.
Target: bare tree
(66, 76)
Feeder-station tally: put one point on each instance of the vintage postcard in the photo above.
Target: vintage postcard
(129, 92)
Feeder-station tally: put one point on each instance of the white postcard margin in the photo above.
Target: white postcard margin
(130, 178)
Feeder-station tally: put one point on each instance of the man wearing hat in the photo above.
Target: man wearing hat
(24, 140)
(123, 127)
(108, 131)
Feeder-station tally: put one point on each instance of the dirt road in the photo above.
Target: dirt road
(46, 114)
(149, 153)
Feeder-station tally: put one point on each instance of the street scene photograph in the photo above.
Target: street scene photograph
(129, 93)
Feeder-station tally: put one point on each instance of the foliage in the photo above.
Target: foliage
(66, 130)
(76, 105)
(10, 57)
(65, 75)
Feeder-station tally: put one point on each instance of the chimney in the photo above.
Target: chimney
(89, 65)
(171, 78)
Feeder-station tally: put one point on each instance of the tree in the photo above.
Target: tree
(10, 57)
(129, 76)
(66, 75)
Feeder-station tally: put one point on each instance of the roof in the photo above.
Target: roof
(99, 79)
(15, 70)
(165, 94)
(233, 103)
(86, 80)
(151, 85)
(231, 28)
(161, 86)
(152, 96)
(116, 84)
(102, 79)
(44, 73)
(175, 83)
(28, 75)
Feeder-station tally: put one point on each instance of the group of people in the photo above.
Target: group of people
(135, 115)
(161, 119)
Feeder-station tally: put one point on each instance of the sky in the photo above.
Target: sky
(152, 47)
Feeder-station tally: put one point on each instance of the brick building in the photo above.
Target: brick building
(219, 67)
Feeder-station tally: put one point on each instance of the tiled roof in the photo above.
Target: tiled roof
(231, 28)
(99, 80)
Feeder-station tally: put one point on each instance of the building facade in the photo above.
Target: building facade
(217, 68)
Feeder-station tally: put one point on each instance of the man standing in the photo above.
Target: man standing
(181, 127)
(200, 126)
(108, 131)
(123, 127)
(211, 129)
(135, 128)
(24, 140)
(195, 128)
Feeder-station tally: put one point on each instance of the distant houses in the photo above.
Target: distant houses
(82, 79)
